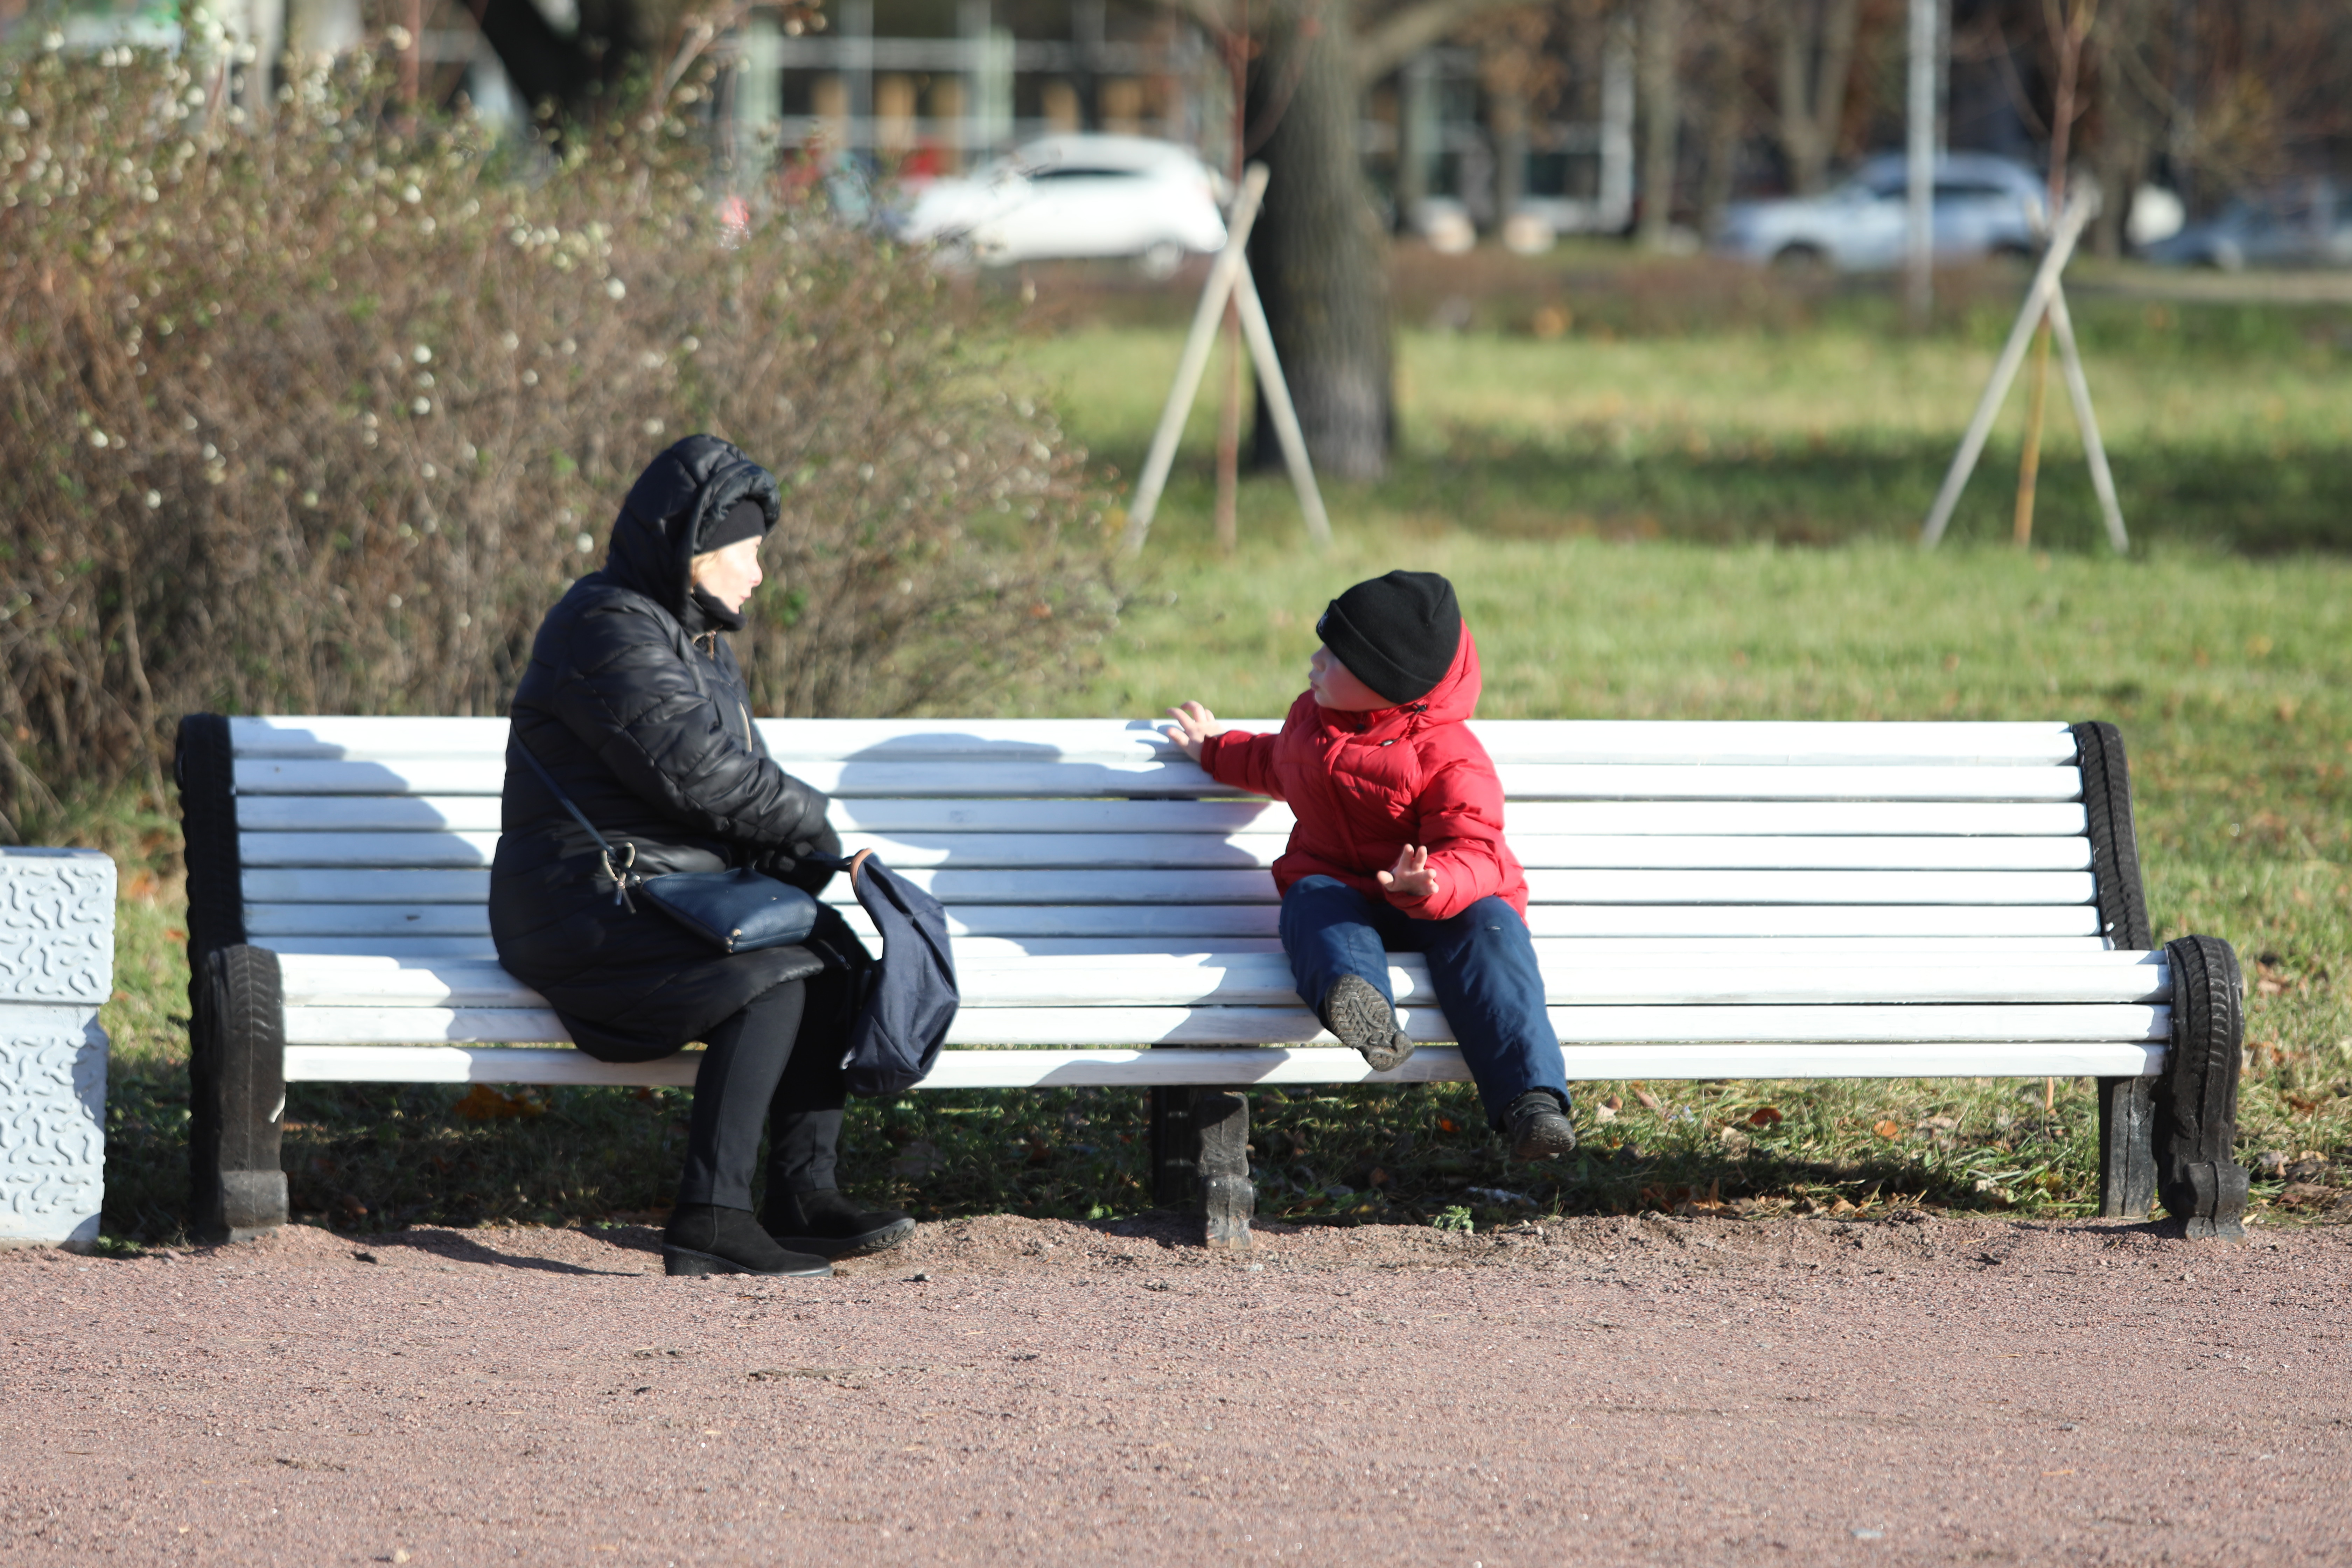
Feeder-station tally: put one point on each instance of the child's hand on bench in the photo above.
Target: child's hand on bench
(1195, 724)
(1411, 877)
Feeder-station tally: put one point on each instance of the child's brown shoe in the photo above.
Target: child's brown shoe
(1362, 1018)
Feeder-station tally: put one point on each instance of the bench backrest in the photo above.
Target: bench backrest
(374, 835)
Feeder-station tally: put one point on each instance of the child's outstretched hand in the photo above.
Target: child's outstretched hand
(1195, 725)
(1411, 877)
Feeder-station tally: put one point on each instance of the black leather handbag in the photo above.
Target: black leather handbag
(734, 911)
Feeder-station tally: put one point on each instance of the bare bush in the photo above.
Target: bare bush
(321, 417)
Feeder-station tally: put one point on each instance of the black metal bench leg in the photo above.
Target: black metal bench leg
(1222, 1122)
(2196, 1120)
(237, 1073)
(2127, 1147)
(1175, 1147)
(1200, 1158)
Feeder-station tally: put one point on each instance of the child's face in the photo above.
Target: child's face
(1336, 687)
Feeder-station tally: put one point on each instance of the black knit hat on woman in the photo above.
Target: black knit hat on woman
(1397, 634)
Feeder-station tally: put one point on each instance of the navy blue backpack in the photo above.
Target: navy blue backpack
(909, 998)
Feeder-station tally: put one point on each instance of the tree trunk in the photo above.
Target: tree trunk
(2129, 127)
(1317, 252)
(1662, 117)
(1726, 116)
(1817, 40)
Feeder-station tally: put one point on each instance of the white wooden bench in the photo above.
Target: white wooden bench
(1710, 900)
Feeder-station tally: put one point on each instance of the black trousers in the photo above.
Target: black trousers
(751, 1073)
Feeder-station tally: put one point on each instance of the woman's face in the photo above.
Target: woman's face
(728, 574)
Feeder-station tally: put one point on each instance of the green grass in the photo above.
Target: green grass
(1637, 528)
(1822, 438)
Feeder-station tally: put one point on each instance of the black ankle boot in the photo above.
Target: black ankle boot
(703, 1238)
(1537, 1128)
(1355, 1010)
(828, 1225)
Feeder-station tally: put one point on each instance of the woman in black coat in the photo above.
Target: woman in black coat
(635, 707)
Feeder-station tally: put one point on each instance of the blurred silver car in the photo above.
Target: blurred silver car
(1984, 206)
(1075, 196)
(2305, 224)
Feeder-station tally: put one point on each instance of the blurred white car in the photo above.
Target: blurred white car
(1983, 205)
(1075, 196)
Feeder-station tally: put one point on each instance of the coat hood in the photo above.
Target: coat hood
(681, 492)
(1456, 696)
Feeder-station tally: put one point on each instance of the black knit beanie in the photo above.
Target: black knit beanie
(1396, 634)
(747, 519)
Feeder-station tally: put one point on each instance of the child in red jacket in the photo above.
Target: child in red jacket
(1398, 846)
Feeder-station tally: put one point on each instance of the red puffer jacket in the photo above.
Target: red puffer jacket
(1364, 785)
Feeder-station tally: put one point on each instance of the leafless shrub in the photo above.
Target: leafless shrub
(321, 416)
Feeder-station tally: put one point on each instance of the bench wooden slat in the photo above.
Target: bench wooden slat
(307, 884)
(1567, 955)
(1187, 922)
(319, 738)
(1264, 980)
(369, 851)
(1974, 820)
(1293, 1025)
(1241, 1067)
(2012, 951)
(1153, 851)
(1521, 781)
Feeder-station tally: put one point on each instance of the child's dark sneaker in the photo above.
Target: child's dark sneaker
(703, 1238)
(828, 1225)
(1537, 1128)
(1354, 1010)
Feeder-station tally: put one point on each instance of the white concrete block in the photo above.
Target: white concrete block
(56, 967)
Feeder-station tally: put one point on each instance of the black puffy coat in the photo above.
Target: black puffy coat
(634, 702)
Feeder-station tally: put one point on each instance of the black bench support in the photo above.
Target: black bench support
(1200, 1158)
(236, 1082)
(237, 1047)
(1227, 1196)
(2126, 1151)
(1175, 1146)
(2196, 1119)
(2127, 1147)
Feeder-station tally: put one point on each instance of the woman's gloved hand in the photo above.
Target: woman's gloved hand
(791, 864)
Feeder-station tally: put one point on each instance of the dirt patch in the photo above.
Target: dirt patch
(1642, 1389)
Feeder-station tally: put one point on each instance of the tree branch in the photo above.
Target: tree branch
(1404, 33)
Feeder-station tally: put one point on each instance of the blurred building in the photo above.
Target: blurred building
(1445, 136)
(934, 86)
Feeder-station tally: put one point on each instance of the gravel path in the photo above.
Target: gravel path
(1677, 1390)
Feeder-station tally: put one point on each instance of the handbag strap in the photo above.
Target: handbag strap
(852, 864)
(620, 881)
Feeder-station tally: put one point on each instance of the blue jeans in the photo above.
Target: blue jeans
(1481, 962)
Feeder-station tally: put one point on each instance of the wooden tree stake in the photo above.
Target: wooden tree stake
(1229, 280)
(2029, 460)
(1229, 438)
(2044, 288)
